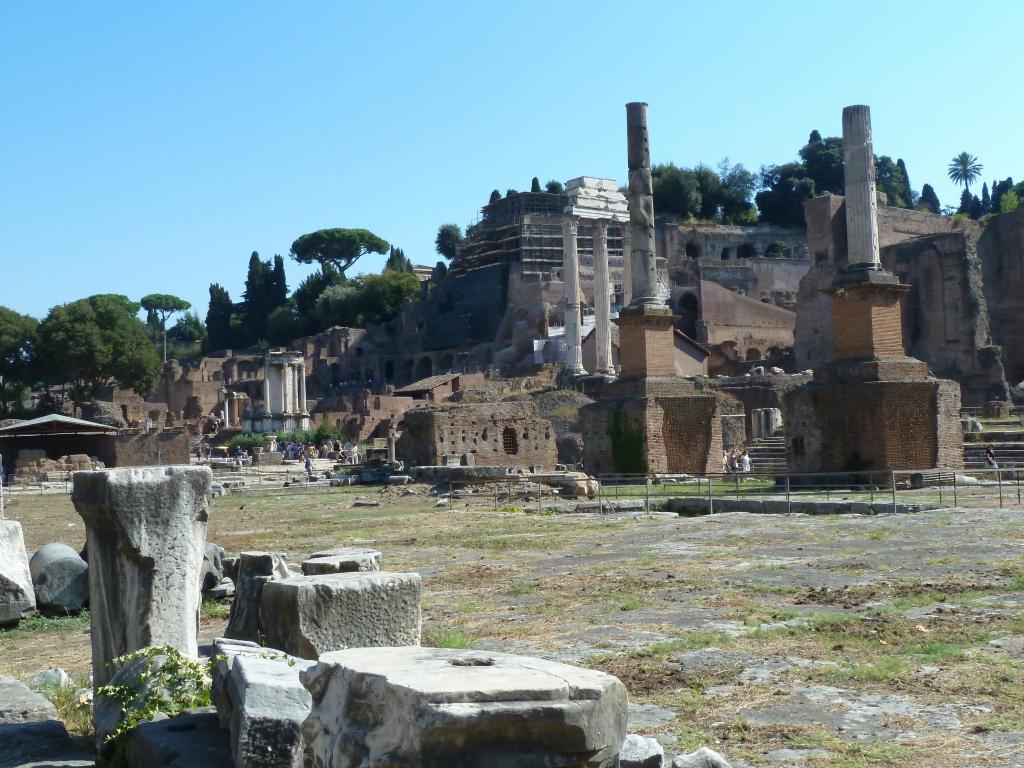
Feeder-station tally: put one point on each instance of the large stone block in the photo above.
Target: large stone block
(310, 615)
(17, 597)
(254, 569)
(61, 579)
(641, 752)
(190, 740)
(430, 707)
(146, 534)
(20, 704)
(342, 560)
(41, 744)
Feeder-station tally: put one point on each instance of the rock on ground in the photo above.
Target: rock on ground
(42, 744)
(17, 598)
(213, 567)
(641, 752)
(20, 704)
(193, 739)
(146, 534)
(60, 578)
(253, 571)
(410, 707)
(702, 758)
(309, 615)
(341, 560)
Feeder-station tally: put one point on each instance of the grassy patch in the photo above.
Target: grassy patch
(520, 587)
(40, 623)
(446, 637)
(73, 709)
(215, 609)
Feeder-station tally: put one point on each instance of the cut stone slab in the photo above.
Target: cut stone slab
(193, 739)
(42, 744)
(146, 535)
(222, 591)
(20, 704)
(702, 758)
(213, 567)
(254, 570)
(641, 752)
(310, 615)
(17, 597)
(411, 707)
(60, 578)
(343, 560)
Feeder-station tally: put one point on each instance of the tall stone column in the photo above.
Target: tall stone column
(571, 276)
(145, 529)
(302, 387)
(861, 200)
(627, 265)
(602, 301)
(643, 262)
(266, 384)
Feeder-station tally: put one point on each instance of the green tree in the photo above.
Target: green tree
(383, 294)
(737, 192)
(309, 291)
(929, 200)
(511, 192)
(999, 189)
(397, 261)
(218, 319)
(18, 340)
(447, 241)
(676, 190)
(339, 248)
(188, 330)
(164, 305)
(823, 163)
(340, 305)
(1009, 201)
(965, 202)
(95, 343)
(891, 179)
(986, 201)
(283, 325)
(784, 189)
(964, 169)
(554, 187)
(535, 184)
(495, 197)
(278, 284)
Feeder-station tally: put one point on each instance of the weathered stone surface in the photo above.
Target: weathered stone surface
(702, 758)
(60, 578)
(411, 706)
(253, 571)
(43, 744)
(309, 615)
(17, 597)
(193, 739)
(342, 560)
(222, 591)
(135, 676)
(20, 704)
(146, 532)
(213, 567)
(641, 752)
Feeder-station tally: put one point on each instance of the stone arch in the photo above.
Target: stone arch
(447, 362)
(424, 368)
(726, 254)
(688, 309)
(405, 373)
(693, 249)
(746, 251)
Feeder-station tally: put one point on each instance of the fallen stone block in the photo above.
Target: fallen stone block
(343, 560)
(60, 578)
(222, 591)
(17, 597)
(20, 704)
(54, 677)
(40, 744)
(255, 569)
(213, 567)
(641, 752)
(702, 758)
(146, 533)
(309, 615)
(411, 707)
(193, 739)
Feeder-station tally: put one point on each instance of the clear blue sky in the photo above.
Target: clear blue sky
(150, 147)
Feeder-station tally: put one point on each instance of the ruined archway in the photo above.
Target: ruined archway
(693, 250)
(688, 309)
(746, 251)
(447, 363)
(424, 368)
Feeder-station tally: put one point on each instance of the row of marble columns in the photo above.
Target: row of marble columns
(288, 382)
(602, 296)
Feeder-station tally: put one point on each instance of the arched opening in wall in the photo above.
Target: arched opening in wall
(405, 372)
(753, 355)
(688, 309)
(746, 251)
(693, 250)
(447, 363)
(425, 368)
(510, 441)
(389, 372)
(726, 254)
(335, 373)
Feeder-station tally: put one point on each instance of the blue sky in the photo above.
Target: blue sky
(151, 147)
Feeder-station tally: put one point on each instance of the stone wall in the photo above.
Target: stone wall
(509, 434)
(1001, 251)
(908, 425)
(147, 450)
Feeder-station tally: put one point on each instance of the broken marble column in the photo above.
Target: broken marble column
(859, 181)
(602, 301)
(411, 707)
(17, 597)
(341, 560)
(642, 259)
(255, 569)
(571, 277)
(60, 578)
(309, 615)
(146, 533)
(627, 268)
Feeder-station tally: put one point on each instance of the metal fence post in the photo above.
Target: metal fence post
(956, 503)
(711, 500)
(789, 502)
(999, 479)
(893, 479)
(647, 494)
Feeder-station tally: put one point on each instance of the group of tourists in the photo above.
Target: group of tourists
(736, 460)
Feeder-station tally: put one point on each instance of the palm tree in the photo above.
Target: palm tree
(964, 168)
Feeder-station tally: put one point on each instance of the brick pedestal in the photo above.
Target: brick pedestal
(646, 347)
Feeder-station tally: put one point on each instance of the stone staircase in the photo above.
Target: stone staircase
(769, 454)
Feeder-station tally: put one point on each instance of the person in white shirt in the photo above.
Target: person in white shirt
(745, 462)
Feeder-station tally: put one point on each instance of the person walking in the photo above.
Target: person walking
(745, 462)
(990, 457)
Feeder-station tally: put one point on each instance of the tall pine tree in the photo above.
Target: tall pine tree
(279, 285)
(986, 201)
(218, 319)
(929, 200)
